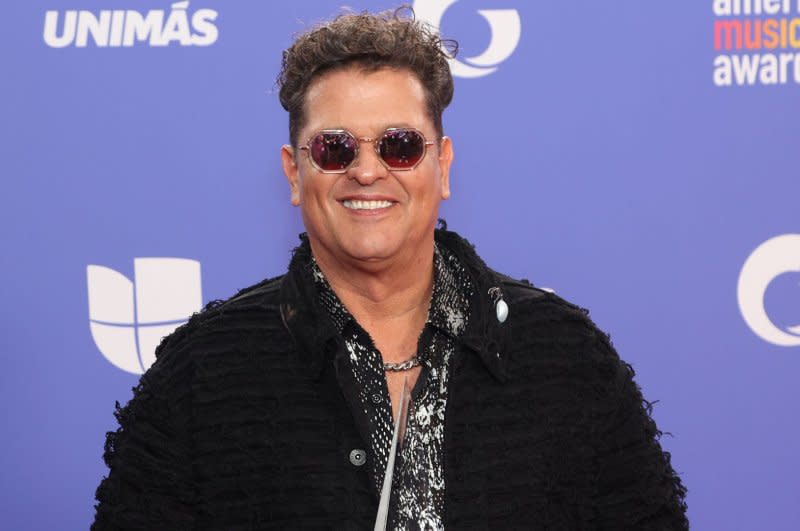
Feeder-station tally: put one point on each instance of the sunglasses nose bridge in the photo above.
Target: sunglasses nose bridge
(368, 165)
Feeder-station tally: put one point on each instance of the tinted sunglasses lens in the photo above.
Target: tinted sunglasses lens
(333, 151)
(402, 148)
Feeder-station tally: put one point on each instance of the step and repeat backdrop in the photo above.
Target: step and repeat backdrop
(639, 158)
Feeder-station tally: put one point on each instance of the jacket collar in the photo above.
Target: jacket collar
(317, 339)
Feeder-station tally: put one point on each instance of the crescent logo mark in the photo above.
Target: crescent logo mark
(505, 28)
(770, 259)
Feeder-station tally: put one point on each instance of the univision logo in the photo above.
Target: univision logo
(120, 27)
(505, 28)
(128, 318)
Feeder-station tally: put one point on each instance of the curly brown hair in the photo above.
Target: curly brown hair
(368, 41)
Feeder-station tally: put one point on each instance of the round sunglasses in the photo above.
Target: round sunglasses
(335, 150)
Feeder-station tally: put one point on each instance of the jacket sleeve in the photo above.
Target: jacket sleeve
(636, 486)
(149, 481)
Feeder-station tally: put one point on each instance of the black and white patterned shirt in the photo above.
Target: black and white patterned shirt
(418, 483)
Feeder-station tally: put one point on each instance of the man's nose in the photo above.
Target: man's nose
(367, 167)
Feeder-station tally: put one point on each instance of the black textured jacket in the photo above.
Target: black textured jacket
(241, 423)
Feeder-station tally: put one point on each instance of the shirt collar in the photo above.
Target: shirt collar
(317, 338)
(449, 306)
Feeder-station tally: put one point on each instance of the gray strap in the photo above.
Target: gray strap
(386, 491)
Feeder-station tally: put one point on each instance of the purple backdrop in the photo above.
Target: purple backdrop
(626, 161)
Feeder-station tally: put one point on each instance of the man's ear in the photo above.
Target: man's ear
(290, 169)
(445, 160)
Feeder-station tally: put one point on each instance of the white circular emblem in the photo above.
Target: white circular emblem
(505, 28)
(770, 259)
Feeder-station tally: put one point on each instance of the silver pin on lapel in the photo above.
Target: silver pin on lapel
(500, 306)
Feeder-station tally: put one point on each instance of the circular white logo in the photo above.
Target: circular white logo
(505, 28)
(772, 258)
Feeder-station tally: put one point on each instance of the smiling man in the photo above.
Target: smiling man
(370, 216)
(283, 407)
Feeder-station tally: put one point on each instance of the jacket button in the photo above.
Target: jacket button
(376, 398)
(358, 457)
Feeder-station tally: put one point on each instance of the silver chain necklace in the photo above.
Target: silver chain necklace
(402, 366)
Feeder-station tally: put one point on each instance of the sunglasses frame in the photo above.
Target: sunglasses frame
(374, 141)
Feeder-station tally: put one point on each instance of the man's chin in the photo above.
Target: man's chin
(371, 252)
(373, 247)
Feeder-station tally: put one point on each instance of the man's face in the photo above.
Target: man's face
(339, 226)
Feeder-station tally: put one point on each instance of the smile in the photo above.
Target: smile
(366, 205)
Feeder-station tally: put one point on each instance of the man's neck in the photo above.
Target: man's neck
(379, 294)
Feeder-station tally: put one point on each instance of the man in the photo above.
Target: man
(277, 408)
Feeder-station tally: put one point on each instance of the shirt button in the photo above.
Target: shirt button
(358, 457)
(377, 398)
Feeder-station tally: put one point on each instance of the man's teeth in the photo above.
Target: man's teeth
(366, 205)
